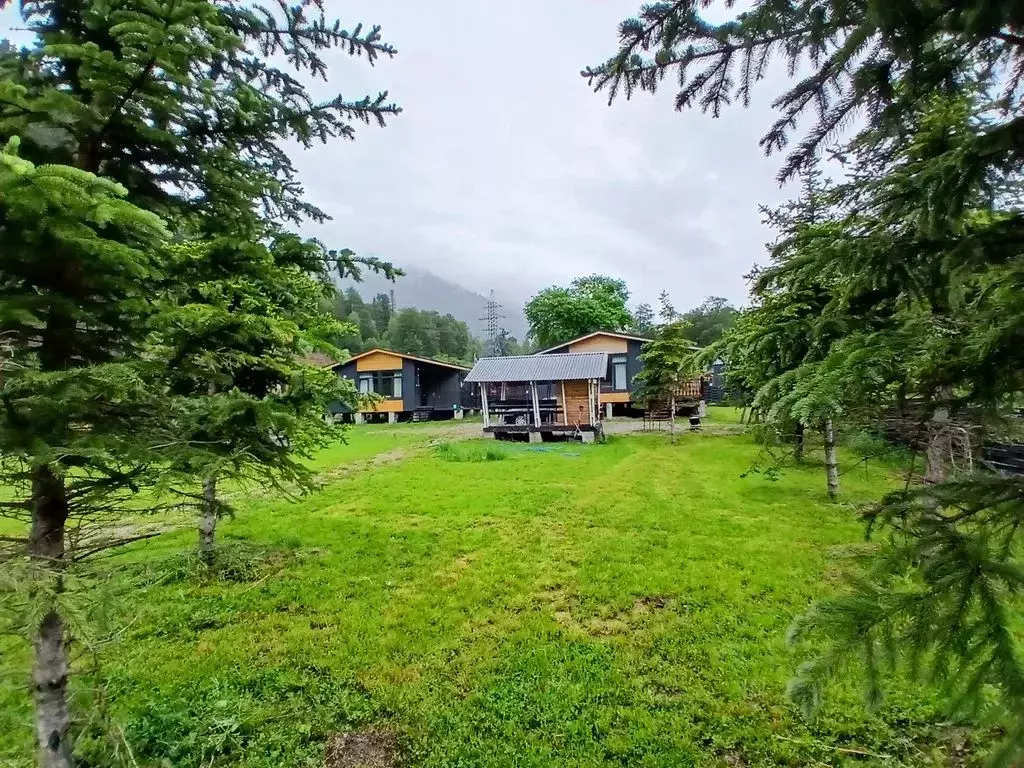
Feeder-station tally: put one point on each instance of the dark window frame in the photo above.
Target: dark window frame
(382, 383)
(623, 361)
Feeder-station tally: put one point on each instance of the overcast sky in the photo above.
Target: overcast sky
(506, 171)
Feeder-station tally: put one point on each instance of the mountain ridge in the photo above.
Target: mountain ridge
(422, 289)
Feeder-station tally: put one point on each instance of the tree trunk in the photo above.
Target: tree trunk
(831, 462)
(672, 419)
(50, 664)
(940, 446)
(798, 448)
(208, 519)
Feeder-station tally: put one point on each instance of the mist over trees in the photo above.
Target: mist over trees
(413, 331)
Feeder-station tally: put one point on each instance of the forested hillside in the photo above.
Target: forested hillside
(427, 290)
(409, 330)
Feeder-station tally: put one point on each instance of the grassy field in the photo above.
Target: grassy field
(622, 604)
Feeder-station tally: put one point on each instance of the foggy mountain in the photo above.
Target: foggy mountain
(422, 289)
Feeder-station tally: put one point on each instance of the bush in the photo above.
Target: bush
(472, 451)
(876, 448)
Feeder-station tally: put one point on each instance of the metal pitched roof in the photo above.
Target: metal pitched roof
(564, 367)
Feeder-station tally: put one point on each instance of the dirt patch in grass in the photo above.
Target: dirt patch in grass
(734, 759)
(566, 614)
(380, 460)
(368, 748)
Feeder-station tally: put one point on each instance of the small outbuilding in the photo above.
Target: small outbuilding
(539, 395)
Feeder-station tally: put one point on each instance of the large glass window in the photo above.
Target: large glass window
(383, 383)
(619, 380)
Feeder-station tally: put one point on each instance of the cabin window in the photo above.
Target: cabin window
(619, 373)
(383, 383)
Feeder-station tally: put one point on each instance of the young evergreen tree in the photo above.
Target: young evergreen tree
(670, 362)
(774, 348)
(186, 104)
(79, 423)
(235, 321)
(927, 270)
(643, 320)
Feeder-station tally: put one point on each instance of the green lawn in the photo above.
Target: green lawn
(495, 605)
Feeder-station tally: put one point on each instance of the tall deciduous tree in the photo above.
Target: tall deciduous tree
(710, 320)
(592, 303)
(186, 104)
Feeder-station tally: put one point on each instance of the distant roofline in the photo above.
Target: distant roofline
(616, 334)
(404, 355)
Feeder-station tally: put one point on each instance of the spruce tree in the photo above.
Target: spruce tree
(186, 105)
(80, 426)
(669, 363)
(926, 270)
(235, 323)
(779, 340)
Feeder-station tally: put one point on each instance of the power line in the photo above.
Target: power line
(493, 327)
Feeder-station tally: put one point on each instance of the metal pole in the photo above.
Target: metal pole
(483, 402)
(536, 404)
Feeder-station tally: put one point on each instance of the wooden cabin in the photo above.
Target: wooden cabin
(617, 390)
(538, 395)
(408, 387)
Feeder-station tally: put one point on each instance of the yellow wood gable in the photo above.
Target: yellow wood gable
(613, 345)
(379, 361)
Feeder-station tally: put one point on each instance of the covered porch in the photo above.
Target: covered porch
(541, 395)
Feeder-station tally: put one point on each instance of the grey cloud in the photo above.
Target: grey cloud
(506, 172)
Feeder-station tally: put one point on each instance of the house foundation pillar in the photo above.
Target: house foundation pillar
(358, 418)
(392, 417)
(588, 437)
(536, 437)
(607, 410)
(459, 413)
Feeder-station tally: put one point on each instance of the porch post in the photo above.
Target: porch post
(565, 406)
(590, 401)
(536, 404)
(483, 402)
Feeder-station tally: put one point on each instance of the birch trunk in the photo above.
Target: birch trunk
(50, 662)
(798, 448)
(672, 418)
(208, 520)
(831, 462)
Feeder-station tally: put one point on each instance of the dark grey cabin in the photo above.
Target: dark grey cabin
(410, 387)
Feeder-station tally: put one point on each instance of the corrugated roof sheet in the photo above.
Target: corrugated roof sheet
(564, 367)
